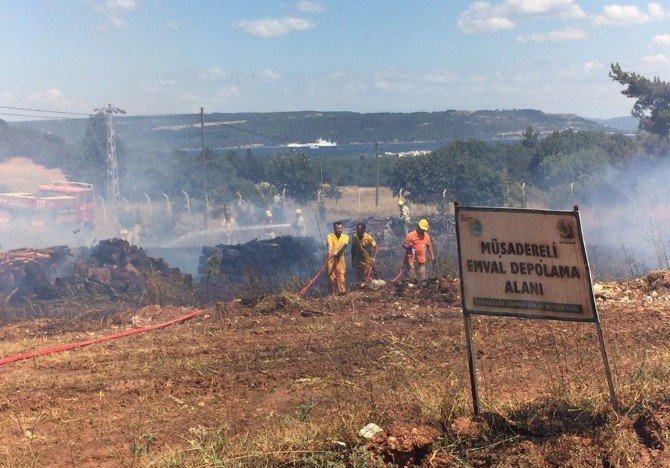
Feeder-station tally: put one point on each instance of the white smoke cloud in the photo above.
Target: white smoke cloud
(630, 215)
(55, 99)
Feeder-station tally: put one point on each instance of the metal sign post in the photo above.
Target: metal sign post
(526, 264)
(472, 364)
(599, 330)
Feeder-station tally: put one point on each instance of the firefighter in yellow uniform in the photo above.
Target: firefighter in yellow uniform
(337, 264)
(363, 253)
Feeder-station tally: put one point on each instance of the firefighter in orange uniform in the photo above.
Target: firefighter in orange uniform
(337, 266)
(417, 243)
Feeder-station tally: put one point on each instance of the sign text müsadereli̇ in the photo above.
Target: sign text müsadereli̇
(525, 263)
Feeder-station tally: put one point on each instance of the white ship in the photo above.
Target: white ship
(319, 143)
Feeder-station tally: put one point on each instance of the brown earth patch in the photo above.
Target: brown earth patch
(272, 386)
(404, 445)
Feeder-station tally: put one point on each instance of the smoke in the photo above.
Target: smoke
(629, 213)
(21, 233)
(23, 175)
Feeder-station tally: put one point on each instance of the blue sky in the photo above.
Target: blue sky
(160, 56)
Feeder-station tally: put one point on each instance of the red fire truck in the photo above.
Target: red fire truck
(67, 204)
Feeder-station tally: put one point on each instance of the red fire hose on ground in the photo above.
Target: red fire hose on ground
(372, 267)
(81, 344)
(309, 285)
(405, 263)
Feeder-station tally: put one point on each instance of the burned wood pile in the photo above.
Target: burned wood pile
(113, 269)
(117, 268)
(260, 264)
(25, 271)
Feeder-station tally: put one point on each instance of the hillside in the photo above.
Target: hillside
(277, 129)
(626, 124)
(32, 142)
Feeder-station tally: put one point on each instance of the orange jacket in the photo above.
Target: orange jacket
(419, 243)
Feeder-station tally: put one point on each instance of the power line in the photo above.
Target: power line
(35, 116)
(264, 135)
(276, 138)
(43, 110)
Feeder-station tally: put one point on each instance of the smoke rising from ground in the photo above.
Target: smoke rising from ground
(23, 175)
(631, 213)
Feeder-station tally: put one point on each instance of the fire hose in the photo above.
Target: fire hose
(81, 344)
(372, 266)
(309, 285)
(402, 269)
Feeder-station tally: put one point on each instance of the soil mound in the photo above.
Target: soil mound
(658, 281)
(286, 303)
(653, 428)
(403, 445)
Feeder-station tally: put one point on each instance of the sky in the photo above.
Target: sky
(164, 57)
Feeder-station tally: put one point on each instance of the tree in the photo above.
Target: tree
(570, 144)
(586, 166)
(295, 173)
(530, 137)
(652, 105)
(471, 171)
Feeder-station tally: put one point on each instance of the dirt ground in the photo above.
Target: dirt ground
(291, 380)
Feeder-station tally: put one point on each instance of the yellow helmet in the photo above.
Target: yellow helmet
(268, 213)
(298, 211)
(401, 203)
(423, 225)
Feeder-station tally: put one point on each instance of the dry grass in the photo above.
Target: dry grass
(249, 387)
(570, 424)
(359, 202)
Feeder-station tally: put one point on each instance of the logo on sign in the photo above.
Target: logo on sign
(566, 229)
(476, 227)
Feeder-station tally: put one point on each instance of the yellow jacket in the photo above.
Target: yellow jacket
(335, 245)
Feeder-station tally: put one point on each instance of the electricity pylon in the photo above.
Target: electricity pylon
(113, 191)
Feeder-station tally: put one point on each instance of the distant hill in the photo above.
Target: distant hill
(43, 148)
(280, 128)
(626, 124)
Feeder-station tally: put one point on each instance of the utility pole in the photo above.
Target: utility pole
(204, 163)
(377, 161)
(113, 190)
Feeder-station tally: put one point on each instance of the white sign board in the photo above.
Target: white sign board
(524, 263)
